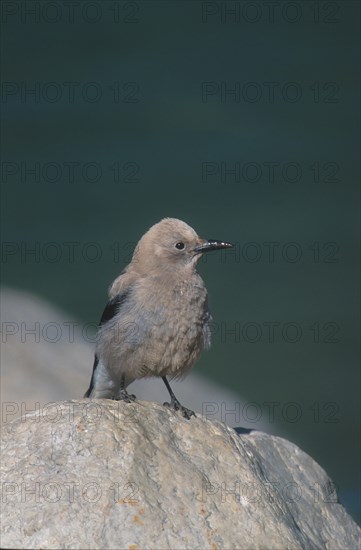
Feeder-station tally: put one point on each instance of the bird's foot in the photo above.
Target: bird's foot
(176, 406)
(123, 395)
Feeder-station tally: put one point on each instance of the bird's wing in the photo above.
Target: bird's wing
(112, 307)
(110, 310)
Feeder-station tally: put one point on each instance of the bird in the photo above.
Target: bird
(157, 321)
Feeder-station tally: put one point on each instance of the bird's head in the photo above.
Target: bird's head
(172, 244)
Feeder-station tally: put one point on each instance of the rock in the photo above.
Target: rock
(104, 474)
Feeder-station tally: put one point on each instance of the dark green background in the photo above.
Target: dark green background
(166, 50)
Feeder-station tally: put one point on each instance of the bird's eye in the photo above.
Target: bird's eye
(180, 246)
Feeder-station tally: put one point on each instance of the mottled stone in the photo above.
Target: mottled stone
(103, 474)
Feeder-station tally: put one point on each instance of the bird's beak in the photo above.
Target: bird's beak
(210, 244)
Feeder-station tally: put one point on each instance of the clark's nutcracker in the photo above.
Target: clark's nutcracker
(156, 322)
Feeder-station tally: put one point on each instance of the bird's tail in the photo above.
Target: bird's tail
(89, 391)
(101, 384)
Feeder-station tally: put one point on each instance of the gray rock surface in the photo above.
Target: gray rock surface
(103, 474)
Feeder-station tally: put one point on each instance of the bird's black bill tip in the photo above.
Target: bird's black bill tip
(210, 245)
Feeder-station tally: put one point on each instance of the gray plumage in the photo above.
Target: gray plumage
(156, 322)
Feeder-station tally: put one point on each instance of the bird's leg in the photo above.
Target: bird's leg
(174, 403)
(123, 395)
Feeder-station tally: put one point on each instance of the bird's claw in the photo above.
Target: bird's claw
(125, 396)
(176, 406)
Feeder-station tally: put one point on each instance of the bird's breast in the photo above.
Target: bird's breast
(180, 323)
(162, 329)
